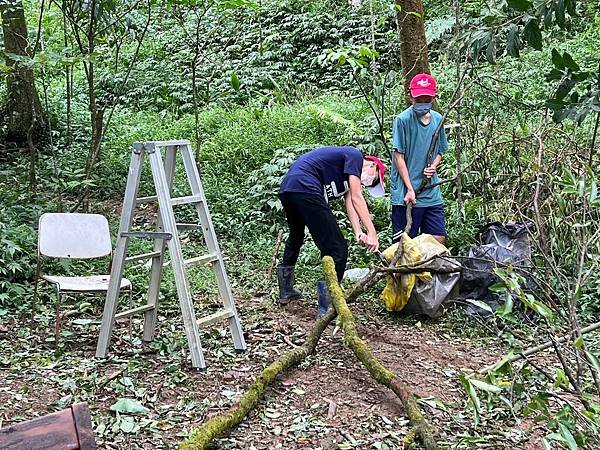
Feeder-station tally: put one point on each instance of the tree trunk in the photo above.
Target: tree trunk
(23, 103)
(414, 56)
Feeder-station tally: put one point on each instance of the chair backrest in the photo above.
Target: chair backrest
(73, 235)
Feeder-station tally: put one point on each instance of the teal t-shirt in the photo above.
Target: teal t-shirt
(413, 139)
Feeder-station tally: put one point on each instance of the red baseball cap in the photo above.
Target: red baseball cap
(379, 189)
(423, 84)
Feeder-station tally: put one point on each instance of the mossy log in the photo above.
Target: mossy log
(375, 368)
(202, 436)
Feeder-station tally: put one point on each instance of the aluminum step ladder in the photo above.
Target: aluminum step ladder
(166, 234)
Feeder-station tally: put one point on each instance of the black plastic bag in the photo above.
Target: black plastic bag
(508, 244)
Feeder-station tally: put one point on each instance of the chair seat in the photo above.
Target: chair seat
(94, 283)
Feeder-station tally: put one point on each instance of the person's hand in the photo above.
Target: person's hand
(410, 197)
(361, 238)
(370, 241)
(429, 171)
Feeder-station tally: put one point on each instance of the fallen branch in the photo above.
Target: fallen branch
(202, 436)
(539, 348)
(401, 270)
(375, 368)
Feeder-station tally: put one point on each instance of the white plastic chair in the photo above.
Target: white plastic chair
(74, 236)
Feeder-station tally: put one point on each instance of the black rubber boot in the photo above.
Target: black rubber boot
(324, 301)
(285, 279)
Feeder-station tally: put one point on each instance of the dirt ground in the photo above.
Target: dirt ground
(329, 402)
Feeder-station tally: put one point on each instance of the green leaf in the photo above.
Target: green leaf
(82, 321)
(497, 287)
(519, 5)
(569, 439)
(485, 386)
(506, 309)
(490, 51)
(129, 406)
(570, 63)
(546, 444)
(473, 396)
(481, 305)
(128, 425)
(594, 361)
(557, 60)
(537, 306)
(561, 378)
(578, 342)
(533, 35)
(235, 82)
(503, 361)
(513, 43)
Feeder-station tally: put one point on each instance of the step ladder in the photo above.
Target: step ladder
(166, 234)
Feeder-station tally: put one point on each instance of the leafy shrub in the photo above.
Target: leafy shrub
(17, 254)
(264, 185)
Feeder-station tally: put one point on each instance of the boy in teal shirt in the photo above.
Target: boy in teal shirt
(412, 133)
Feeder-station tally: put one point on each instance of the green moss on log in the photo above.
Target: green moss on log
(201, 437)
(375, 368)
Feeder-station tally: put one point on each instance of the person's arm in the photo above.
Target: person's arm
(403, 171)
(359, 207)
(353, 216)
(430, 170)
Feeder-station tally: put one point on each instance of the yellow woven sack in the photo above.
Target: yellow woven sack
(397, 292)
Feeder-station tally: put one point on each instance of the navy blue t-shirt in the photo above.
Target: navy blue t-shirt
(323, 171)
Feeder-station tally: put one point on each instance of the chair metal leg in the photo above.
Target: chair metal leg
(131, 307)
(57, 324)
(35, 289)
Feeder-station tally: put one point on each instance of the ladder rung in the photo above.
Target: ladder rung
(174, 201)
(200, 260)
(186, 200)
(215, 317)
(143, 200)
(142, 257)
(132, 311)
(146, 235)
(171, 143)
(188, 226)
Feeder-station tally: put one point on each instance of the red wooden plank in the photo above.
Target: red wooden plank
(83, 425)
(70, 429)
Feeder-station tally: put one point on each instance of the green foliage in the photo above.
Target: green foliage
(274, 52)
(511, 286)
(509, 27)
(565, 102)
(17, 256)
(265, 73)
(264, 185)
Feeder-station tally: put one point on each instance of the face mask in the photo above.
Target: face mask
(366, 179)
(421, 109)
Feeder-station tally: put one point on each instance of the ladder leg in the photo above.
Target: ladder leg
(183, 290)
(112, 295)
(235, 326)
(213, 247)
(157, 262)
